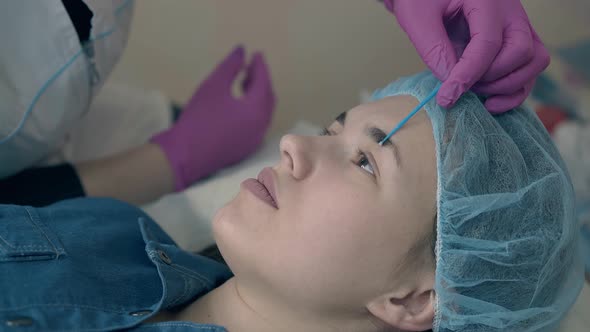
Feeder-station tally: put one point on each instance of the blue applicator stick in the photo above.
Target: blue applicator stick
(409, 116)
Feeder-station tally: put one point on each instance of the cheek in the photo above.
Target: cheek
(337, 241)
(336, 215)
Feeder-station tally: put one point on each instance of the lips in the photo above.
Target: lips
(266, 177)
(263, 187)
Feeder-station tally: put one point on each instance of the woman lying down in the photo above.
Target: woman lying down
(462, 221)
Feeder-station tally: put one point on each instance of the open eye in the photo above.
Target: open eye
(364, 163)
(361, 160)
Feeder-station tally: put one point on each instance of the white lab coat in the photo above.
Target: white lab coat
(47, 79)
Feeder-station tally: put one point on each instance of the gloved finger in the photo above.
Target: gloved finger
(430, 39)
(517, 79)
(502, 103)
(485, 43)
(249, 74)
(227, 70)
(517, 50)
(388, 4)
(257, 85)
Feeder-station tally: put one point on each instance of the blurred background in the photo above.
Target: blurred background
(321, 53)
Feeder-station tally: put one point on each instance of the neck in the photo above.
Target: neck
(238, 310)
(225, 306)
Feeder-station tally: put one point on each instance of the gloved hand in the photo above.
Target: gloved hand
(499, 52)
(215, 128)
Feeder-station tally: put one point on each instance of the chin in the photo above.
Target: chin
(229, 212)
(229, 246)
(227, 226)
(221, 228)
(221, 221)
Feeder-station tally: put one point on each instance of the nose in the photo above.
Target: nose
(296, 155)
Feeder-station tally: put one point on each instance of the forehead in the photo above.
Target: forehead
(386, 113)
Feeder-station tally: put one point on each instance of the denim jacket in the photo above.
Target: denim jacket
(95, 265)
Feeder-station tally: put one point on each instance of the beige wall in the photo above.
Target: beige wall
(321, 52)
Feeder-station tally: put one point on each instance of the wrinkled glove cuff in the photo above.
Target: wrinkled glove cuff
(167, 143)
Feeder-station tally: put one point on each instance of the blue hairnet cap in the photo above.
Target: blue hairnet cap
(507, 257)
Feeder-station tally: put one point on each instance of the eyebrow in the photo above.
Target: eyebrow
(377, 135)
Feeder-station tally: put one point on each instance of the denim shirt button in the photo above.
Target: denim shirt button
(19, 322)
(140, 313)
(164, 257)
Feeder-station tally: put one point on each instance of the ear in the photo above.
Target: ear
(410, 311)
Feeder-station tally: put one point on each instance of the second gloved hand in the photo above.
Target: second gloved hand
(485, 45)
(217, 129)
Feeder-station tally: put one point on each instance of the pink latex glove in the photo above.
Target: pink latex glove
(499, 52)
(217, 129)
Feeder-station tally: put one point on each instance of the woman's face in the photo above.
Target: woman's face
(349, 212)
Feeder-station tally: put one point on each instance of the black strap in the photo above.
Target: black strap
(41, 186)
(81, 17)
